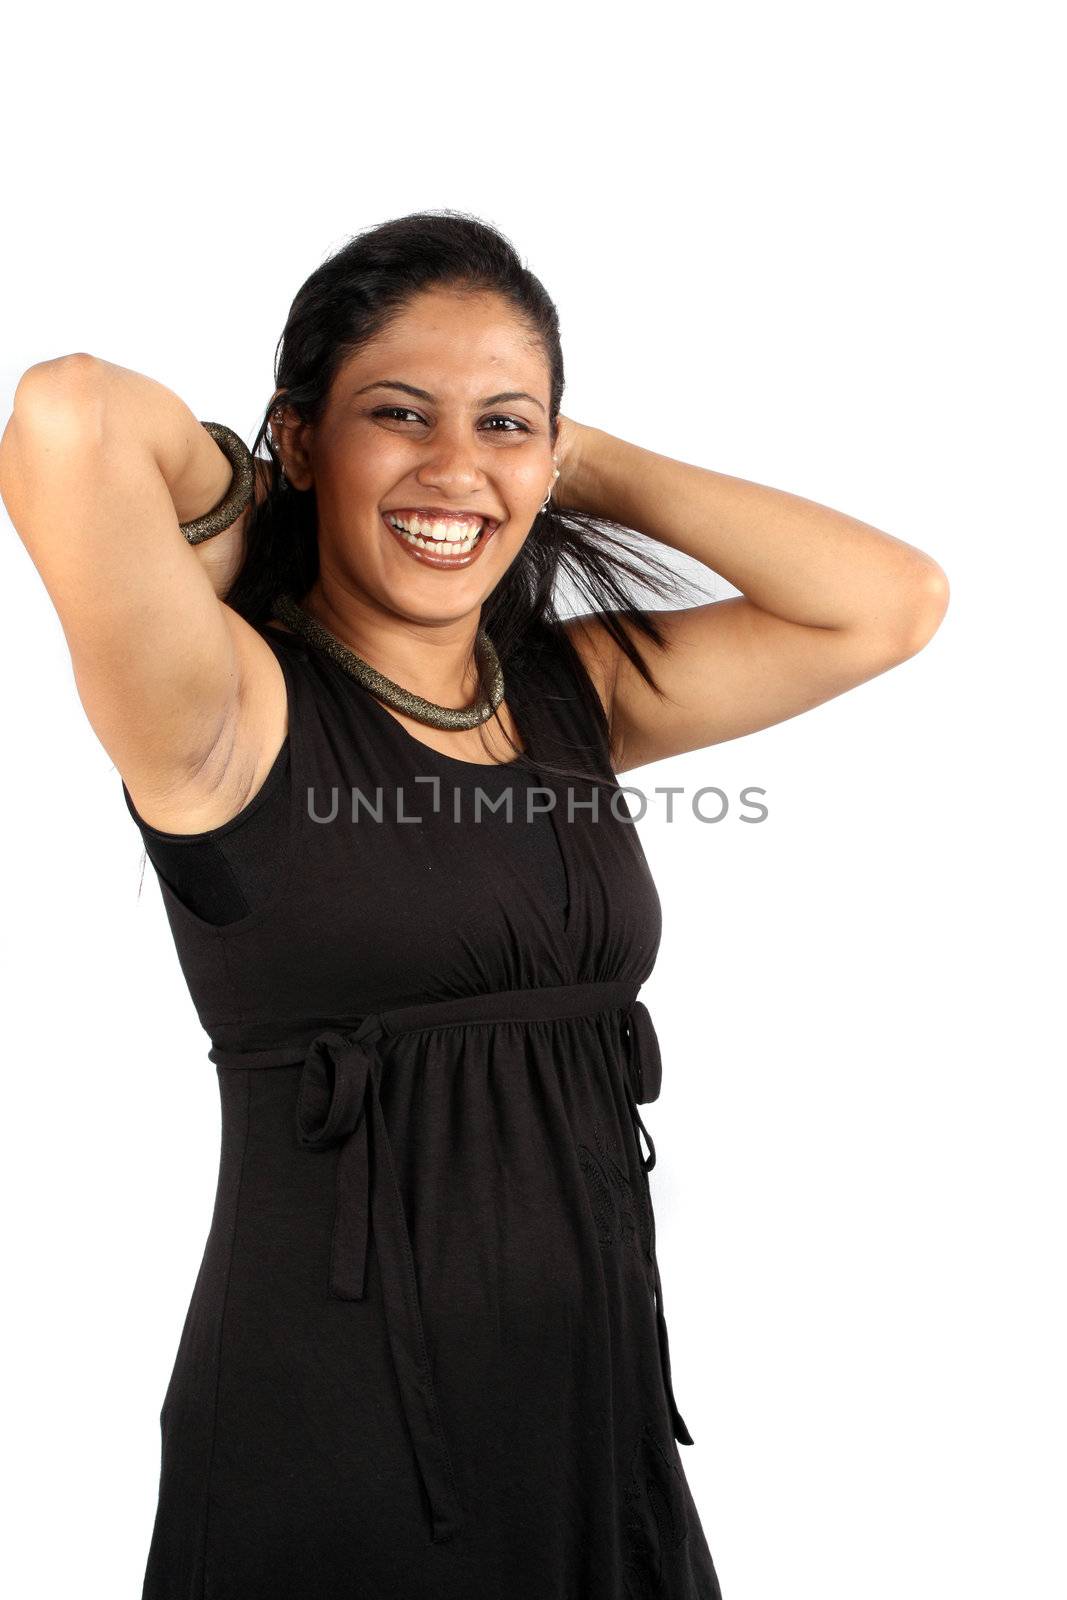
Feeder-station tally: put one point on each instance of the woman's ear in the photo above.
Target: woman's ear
(288, 434)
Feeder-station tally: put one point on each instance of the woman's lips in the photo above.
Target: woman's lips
(430, 558)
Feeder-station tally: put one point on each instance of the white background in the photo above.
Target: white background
(814, 246)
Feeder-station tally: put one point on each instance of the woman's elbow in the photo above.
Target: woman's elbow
(923, 606)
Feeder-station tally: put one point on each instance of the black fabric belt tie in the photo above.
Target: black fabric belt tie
(339, 1104)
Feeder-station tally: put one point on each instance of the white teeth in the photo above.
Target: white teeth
(438, 530)
(444, 538)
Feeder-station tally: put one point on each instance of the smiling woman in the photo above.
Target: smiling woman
(426, 1353)
(415, 1360)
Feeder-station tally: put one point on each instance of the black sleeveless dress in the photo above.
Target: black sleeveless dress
(425, 1356)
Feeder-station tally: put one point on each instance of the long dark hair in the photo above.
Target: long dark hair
(346, 302)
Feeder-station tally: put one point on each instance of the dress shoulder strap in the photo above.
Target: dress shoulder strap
(558, 690)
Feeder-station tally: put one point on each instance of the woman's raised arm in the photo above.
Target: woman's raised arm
(826, 601)
(98, 464)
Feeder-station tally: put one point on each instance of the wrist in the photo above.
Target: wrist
(580, 486)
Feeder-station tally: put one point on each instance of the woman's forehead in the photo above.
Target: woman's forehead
(473, 344)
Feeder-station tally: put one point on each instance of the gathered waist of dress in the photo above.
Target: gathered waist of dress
(273, 1044)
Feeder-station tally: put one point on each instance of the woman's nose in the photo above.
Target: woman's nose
(450, 466)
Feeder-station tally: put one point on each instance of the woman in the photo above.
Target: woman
(426, 1354)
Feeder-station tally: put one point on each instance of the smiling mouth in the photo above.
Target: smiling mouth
(449, 536)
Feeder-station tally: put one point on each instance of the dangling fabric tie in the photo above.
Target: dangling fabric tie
(643, 1084)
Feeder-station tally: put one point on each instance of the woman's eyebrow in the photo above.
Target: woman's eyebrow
(423, 394)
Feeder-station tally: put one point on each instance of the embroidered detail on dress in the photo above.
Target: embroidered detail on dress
(654, 1513)
(621, 1212)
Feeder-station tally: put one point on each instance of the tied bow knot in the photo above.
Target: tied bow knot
(645, 1072)
(332, 1109)
(645, 1053)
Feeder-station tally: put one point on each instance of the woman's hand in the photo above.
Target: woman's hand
(222, 556)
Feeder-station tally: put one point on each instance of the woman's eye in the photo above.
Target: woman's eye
(396, 411)
(514, 421)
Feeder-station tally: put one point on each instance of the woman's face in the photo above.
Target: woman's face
(441, 425)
